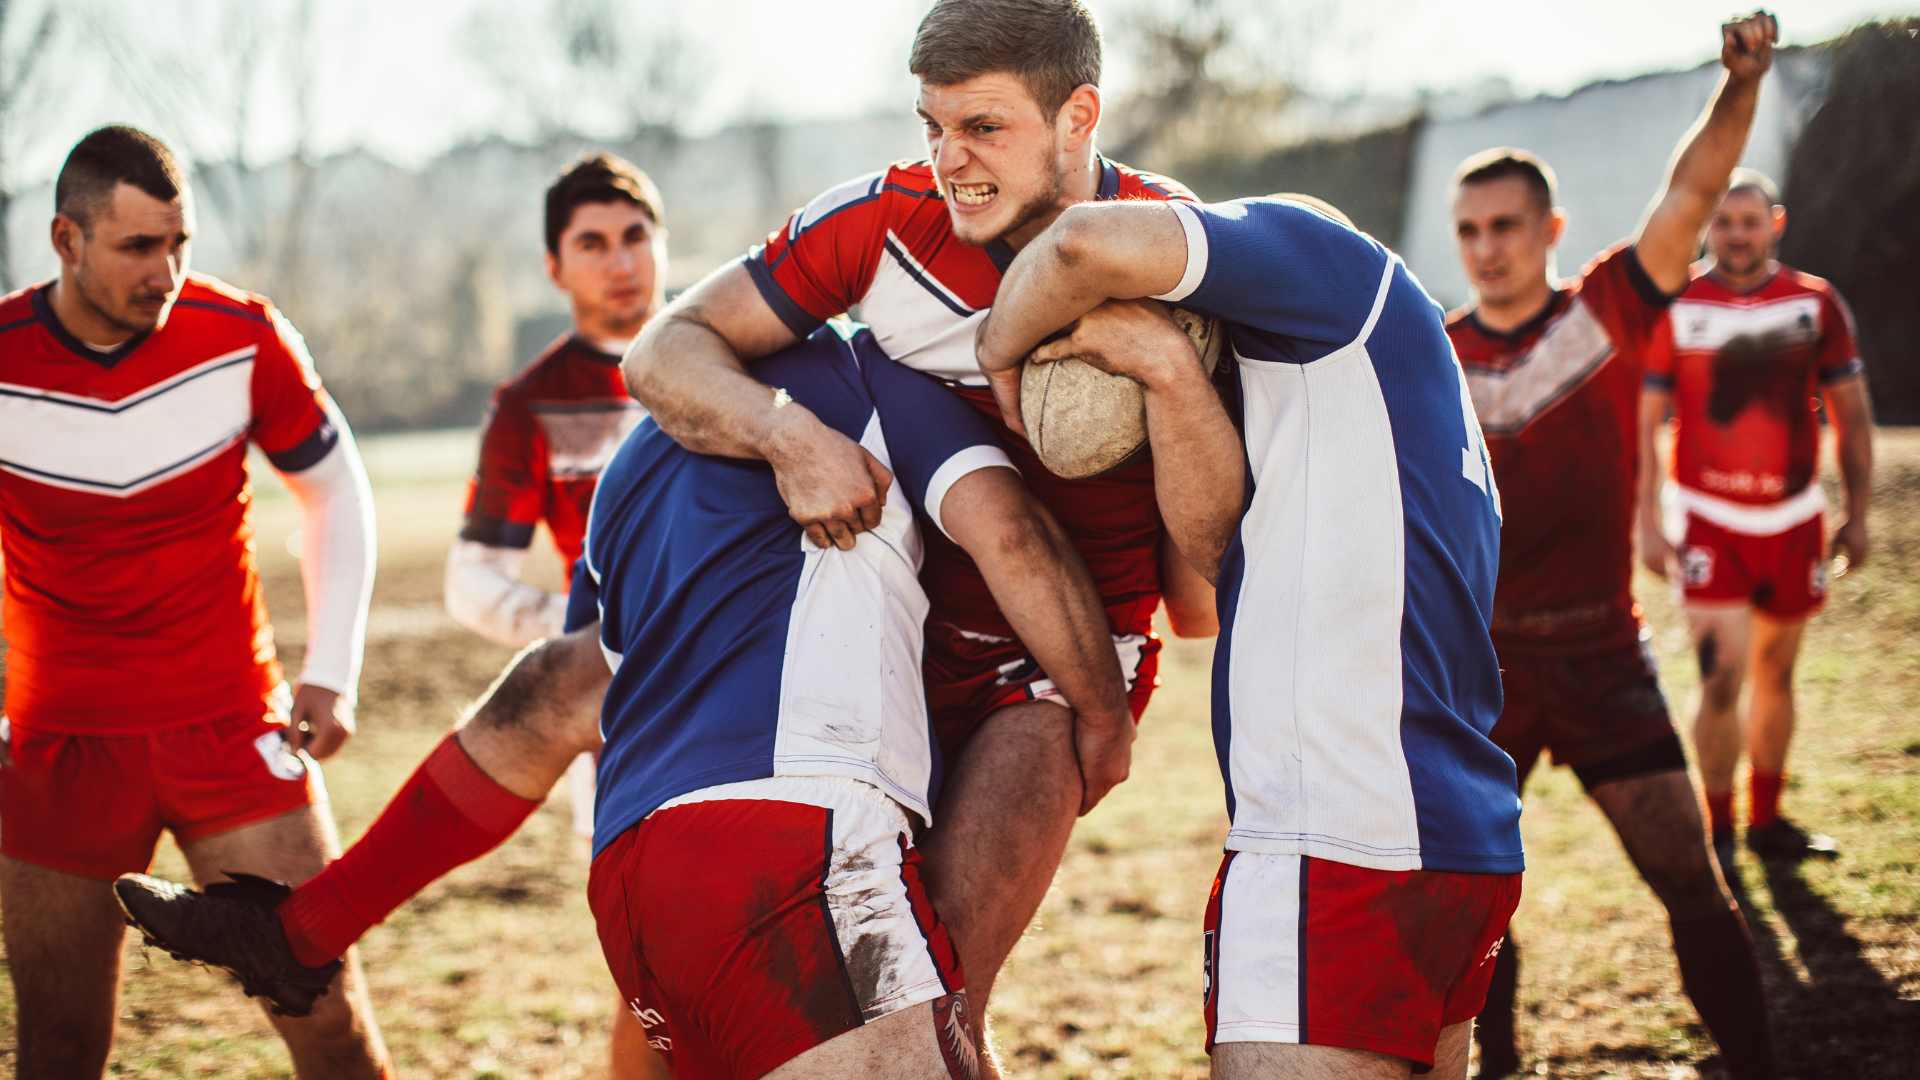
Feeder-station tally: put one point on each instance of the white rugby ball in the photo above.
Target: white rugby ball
(1083, 421)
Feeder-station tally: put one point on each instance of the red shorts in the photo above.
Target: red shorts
(1303, 950)
(1783, 575)
(970, 676)
(774, 915)
(1585, 709)
(95, 805)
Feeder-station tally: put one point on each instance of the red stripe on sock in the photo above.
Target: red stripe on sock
(448, 813)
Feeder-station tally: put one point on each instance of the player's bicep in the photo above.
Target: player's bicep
(294, 422)
(1669, 238)
(730, 304)
(1849, 406)
(507, 495)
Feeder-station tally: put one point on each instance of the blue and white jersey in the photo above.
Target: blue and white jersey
(1354, 682)
(740, 650)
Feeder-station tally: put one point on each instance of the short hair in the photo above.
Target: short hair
(1755, 181)
(598, 178)
(1502, 162)
(1051, 45)
(107, 157)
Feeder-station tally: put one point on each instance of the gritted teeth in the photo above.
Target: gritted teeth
(973, 194)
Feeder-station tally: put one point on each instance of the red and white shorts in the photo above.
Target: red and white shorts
(1783, 574)
(748, 923)
(1303, 950)
(95, 805)
(970, 676)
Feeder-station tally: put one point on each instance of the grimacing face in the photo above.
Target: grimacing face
(1744, 232)
(612, 263)
(129, 263)
(1505, 236)
(995, 154)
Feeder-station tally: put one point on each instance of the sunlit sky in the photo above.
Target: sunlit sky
(395, 79)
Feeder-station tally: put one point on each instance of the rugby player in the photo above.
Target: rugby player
(143, 692)
(1554, 369)
(553, 427)
(1743, 356)
(1010, 98)
(769, 748)
(1351, 524)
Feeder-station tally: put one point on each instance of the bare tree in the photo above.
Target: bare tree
(22, 90)
(612, 68)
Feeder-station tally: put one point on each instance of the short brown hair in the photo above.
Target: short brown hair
(1051, 45)
(1505, 161)
(110, 156)
(1755, 181)
(598, 178)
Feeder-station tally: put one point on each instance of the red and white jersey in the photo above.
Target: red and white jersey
(551, 430)
(133, 602)
(1746, 369)
(1559, 402)
(882, 248)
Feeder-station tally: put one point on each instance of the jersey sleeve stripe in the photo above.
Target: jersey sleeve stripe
(968, 461)
(224, 309)
(1843, 372)
(1649, 292)
(1196, 254)
(308, 452)
(796, 317)
(495, 532)
(1658, 380)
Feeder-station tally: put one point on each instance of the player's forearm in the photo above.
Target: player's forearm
(484, 593)
(1707, 156)
(1653, 416)
(1199, 466)
(694, 385)
(337, 547)
(1855, 446)
(1046, 595)
(1091, 254)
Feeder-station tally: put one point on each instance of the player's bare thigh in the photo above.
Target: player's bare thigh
(1657, 816)
(1721, 634)
(292, 848)
(903, 1045)
(1294, 1061)
(63, 935)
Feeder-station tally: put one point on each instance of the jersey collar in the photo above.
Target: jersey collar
(43, 311)
(1521, 332)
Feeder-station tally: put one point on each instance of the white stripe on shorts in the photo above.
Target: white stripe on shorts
(1257, 996)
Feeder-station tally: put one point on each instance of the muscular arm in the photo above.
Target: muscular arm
(1048, 598)
(1191, 608)
(1851, 414)
(1670, 236)
(686, 368)
(1656, 551)
(1098, 252)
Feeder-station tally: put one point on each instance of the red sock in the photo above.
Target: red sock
(1766, 799)
(448, 813)
(1719, 813)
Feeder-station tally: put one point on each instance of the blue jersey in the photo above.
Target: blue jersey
(1354, 683)
(740, 650)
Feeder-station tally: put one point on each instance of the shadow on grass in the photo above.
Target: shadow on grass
(1844, 1019)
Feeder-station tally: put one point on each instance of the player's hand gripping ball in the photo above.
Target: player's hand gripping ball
(1083, 421)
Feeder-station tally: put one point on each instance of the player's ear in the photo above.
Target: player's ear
(1556, 225)
(1779, 221)
(553, 270)
(1079, 117)
(67, 236)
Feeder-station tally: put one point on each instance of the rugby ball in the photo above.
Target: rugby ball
(1083, 421)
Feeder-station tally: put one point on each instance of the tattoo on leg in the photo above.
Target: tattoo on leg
(953, 1030)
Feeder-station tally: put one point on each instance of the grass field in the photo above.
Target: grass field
(495, 972)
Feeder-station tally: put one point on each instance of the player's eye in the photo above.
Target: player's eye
(985, 129)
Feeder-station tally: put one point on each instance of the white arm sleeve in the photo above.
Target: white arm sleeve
(485, 595)
(336, 561)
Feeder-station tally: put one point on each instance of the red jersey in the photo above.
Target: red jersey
(133, 602)
(551, 430)
(1746, 370)
(1559, 401)
(882, 246)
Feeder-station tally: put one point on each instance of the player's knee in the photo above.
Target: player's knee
(1684, 880)
(1720, 686)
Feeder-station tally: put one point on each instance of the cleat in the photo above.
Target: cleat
(1783, 841)
(231, 926)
